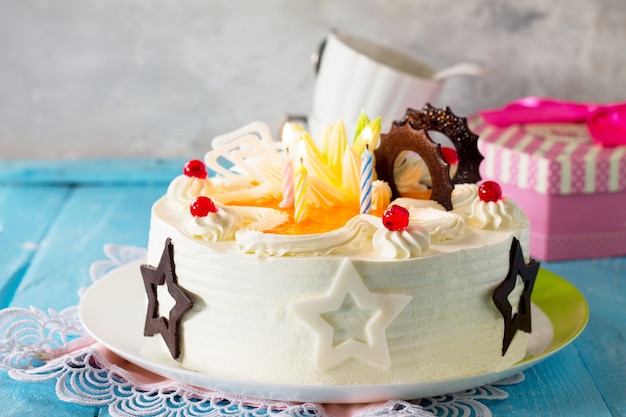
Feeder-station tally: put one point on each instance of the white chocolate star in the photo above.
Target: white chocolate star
(384, 309)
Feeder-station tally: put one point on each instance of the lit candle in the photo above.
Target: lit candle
(301, 186)
(367, 172)
(288, 191)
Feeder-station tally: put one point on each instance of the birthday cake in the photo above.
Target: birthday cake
(379, 261)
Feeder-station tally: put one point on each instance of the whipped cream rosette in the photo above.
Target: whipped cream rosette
(492, 210)
(209, 222)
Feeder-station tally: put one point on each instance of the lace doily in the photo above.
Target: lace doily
(37, 345)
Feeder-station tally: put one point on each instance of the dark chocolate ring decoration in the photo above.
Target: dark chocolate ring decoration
(456, 129)
(406, 138)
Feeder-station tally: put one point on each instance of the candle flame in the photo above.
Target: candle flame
(367, 136)
(287, 136)
(302, 150)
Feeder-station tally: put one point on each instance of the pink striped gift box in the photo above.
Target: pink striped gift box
(573, 191)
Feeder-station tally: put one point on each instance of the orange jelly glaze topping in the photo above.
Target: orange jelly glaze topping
(318, 220)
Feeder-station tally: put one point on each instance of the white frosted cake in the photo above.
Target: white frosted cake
(297, 277)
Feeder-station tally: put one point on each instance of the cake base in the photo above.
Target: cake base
(264, 318)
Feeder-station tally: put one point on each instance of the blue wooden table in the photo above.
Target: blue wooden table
(56, 217)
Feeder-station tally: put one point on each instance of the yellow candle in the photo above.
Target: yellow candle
(301, 186)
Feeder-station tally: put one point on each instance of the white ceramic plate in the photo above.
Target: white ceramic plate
(113, 312)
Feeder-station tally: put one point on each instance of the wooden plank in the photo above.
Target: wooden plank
(90, 218)
(559, 386)
(25, 215)
(601, 345)
(95, 171)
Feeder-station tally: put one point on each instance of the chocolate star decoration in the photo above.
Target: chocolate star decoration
(521, 320)
(456, 129)
(165, 274)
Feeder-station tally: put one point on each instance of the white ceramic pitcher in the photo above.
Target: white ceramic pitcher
(355, 74)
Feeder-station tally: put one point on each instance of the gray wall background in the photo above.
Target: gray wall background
(142, 78)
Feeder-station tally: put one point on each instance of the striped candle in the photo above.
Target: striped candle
(367, 173)
(301, 187)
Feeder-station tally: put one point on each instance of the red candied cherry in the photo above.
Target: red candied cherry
(489, 191)
(195, 168)
(450, 155)
(396, 218)
(202, 206)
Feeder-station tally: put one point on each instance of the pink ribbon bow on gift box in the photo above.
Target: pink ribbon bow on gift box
(606, 122)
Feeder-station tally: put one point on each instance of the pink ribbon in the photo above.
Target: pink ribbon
(606, 122)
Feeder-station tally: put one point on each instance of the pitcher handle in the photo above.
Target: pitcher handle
(464, 68)
(316, 55)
